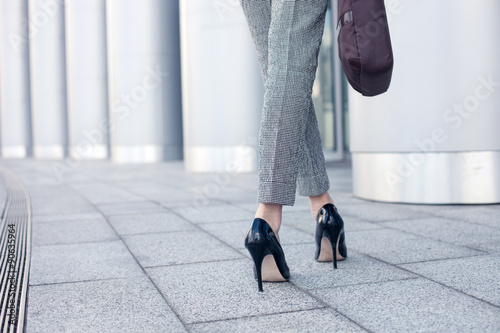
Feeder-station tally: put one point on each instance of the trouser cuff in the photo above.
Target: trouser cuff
(278, 193)
(311, 186)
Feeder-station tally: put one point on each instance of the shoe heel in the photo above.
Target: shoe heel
(342, 248)
(258, 253)
(334, 240)
(334, 250)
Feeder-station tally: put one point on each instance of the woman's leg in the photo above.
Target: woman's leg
(287, 36)
(258, 15)
(289, 141)
(312, 179)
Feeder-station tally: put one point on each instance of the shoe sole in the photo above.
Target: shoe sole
(326, 253)
(270, 271)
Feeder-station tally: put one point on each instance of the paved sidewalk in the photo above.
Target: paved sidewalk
(150, 248)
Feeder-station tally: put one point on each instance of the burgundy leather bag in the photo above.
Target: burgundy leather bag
(365, 45)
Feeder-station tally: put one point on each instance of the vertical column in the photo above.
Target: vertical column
(48, 78)
(433, 137)
(86, 72)
(222, 88)
(15, 128)
(144, 80)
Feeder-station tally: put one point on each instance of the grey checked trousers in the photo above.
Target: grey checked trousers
(287, 36)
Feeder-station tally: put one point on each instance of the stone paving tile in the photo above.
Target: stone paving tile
(37, 179)
(168, 196)
(415, 305)
(303, 220)
(116, 305)
(154, 186)
(320, 320)
(191, 181)
(432, 209)
(224, 290)
(81, 262)
(247, 181)
(380, 212)
(75, 177)
(119, 173)
(52, 198)
(307, 273)
(490, 247)
(486, 215)
(98, 193)
(67, 217)
(476, 276)
(134, 207)
(50, 190)
(67, 232)
(345, 198)
(178, 248)
(148, 223)
(57, 208)
(451, 231)
(235, 195)
(213, 214)
(398, 247)
(251, 207)
(352, 224)
(340, 186)
(143, 185)
(233, 233)
(195, 203)
(65, 196)
(301, 204)
(339, 174)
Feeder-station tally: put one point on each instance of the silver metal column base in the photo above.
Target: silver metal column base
(428, 178)
(220, 159)
(19, 151)
(137, 154)
(88, 152)
(49, 152)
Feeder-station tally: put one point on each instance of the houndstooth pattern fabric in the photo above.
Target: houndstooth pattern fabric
(287, 36)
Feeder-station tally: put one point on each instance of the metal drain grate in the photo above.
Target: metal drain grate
(15, 249)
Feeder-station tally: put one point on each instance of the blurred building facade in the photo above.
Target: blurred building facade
(143, 81)
(97, 79)
(90, 79)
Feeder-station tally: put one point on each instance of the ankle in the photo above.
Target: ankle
(271, 213)
(317, 202)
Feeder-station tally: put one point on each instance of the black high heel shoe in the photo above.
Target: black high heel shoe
(260, 242)
(330, 235)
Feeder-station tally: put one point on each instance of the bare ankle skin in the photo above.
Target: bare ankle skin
(271, 213)
(319, 201)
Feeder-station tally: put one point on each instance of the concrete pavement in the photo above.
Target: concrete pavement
(151, 248)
